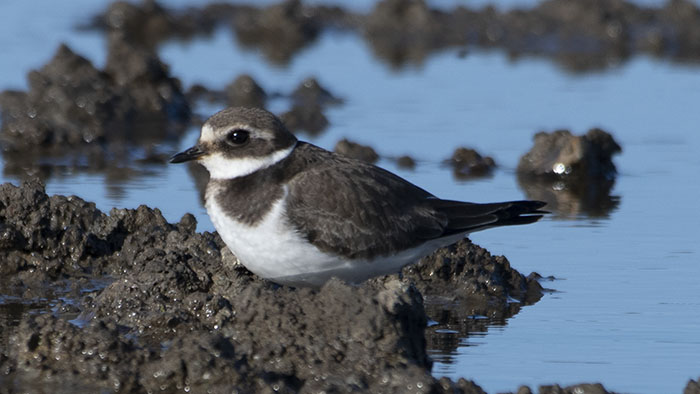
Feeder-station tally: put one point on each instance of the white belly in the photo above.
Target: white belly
(274, 250)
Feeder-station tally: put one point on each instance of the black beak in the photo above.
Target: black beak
(190, 154)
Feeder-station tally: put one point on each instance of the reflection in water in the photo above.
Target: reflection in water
(457, 321)
(466, 290)
(117, 174)
(572, 198)
(11, 313)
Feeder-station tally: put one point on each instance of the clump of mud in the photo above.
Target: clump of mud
(310, 91)
(244, 91)
(573, 174)
(562, 155)
(278, 31)
(466, 290)
(467, 163)
(584, 388)
(579, 36)
(178, 311)
(309, 100)
(90, 118)
(357, 151)
(693, 387)
(307, 118)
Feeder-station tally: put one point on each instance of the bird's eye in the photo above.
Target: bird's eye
(237, 137)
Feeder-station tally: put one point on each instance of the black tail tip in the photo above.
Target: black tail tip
(525, 212)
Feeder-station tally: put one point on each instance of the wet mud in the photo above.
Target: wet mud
(467, 163)
(309, 101)
(693, 387)
(175, 310)
(357, 151)
(244, 91)
(77, 118)
(406, 162)
(466, 290)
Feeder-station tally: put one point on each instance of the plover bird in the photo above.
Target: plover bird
(298, 214)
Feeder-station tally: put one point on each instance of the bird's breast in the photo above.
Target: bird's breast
(269, 247)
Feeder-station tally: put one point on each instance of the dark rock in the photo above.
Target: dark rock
(245, 92)
(467, 163)
(356, 151)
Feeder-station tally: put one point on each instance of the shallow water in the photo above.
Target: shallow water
(626, 310)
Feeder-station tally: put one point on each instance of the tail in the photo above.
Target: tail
(465, 217)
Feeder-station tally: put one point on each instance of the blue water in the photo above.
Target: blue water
(627, 307)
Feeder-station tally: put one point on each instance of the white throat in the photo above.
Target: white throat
(220, 167)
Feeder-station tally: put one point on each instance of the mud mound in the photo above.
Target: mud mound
(83, 117)
(573, 174)
(177, 314)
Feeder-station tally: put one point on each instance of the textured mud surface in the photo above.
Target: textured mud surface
(466, 289)
(176, 311)
(90, 118)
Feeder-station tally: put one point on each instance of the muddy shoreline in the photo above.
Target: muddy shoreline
(175, 309)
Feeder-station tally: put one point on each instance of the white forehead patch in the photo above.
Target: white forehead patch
(221, 167)
(207, 134)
